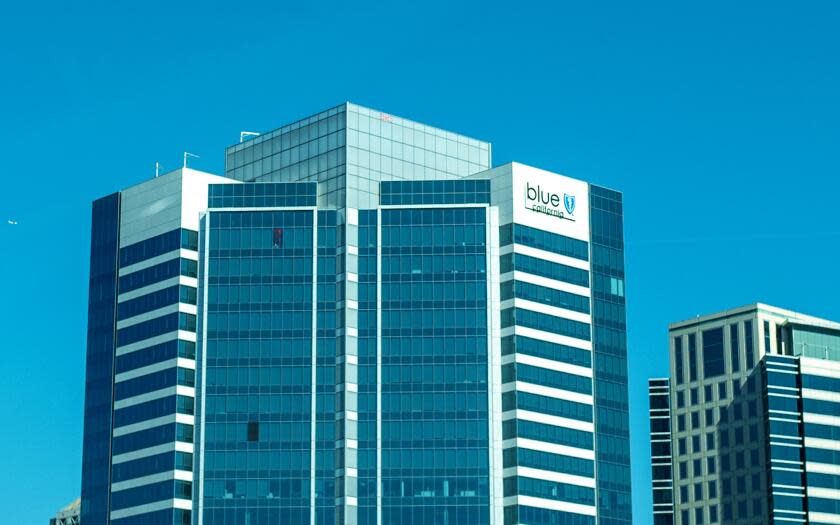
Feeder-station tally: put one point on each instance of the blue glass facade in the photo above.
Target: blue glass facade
(368, 366)
(434, 411)
(258, 367)
(433, 312)
(99, 368)
(612, 443)
(329, 343)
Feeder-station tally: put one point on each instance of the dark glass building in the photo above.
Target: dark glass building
(368, 324)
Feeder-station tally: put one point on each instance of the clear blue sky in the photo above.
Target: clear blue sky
(720, 123)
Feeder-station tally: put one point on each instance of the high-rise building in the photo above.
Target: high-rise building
(755, 418)
(660, 451)
(140, 379)
(377, 327)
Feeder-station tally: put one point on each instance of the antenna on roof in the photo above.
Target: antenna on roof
(243, 134)
(188, 154)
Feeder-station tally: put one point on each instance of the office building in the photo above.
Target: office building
(140, 372)
(755, 418)
(387, 330)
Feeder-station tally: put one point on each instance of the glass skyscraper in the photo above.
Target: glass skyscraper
(754, 420)
(361, 322)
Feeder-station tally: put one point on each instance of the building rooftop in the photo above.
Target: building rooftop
(361, 110)
(792, 317)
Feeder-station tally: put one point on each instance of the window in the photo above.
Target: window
(679, 367)
(748, 344)
(692, 357)
(713, 360)
(734, 348)
(766, 337)
(253, 431)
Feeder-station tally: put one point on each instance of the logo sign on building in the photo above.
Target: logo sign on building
(550, 202)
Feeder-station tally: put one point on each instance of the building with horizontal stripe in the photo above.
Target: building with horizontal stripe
(661, 456)
(139, 426)
(755, 411)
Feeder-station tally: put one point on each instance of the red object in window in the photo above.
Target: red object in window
(278, 237)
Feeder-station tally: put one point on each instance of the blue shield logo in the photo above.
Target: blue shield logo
(569, 201)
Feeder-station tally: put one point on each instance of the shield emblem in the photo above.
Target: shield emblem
(569, 201)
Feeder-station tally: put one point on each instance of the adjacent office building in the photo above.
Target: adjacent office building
(69, 515)
(755, 420)
(363, 322)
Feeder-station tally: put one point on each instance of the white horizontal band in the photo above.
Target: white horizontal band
(550, 256)
(548, 337)
(543, 503)
(557, 421)
(184, 504)
(552, 448)
(157, 259)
